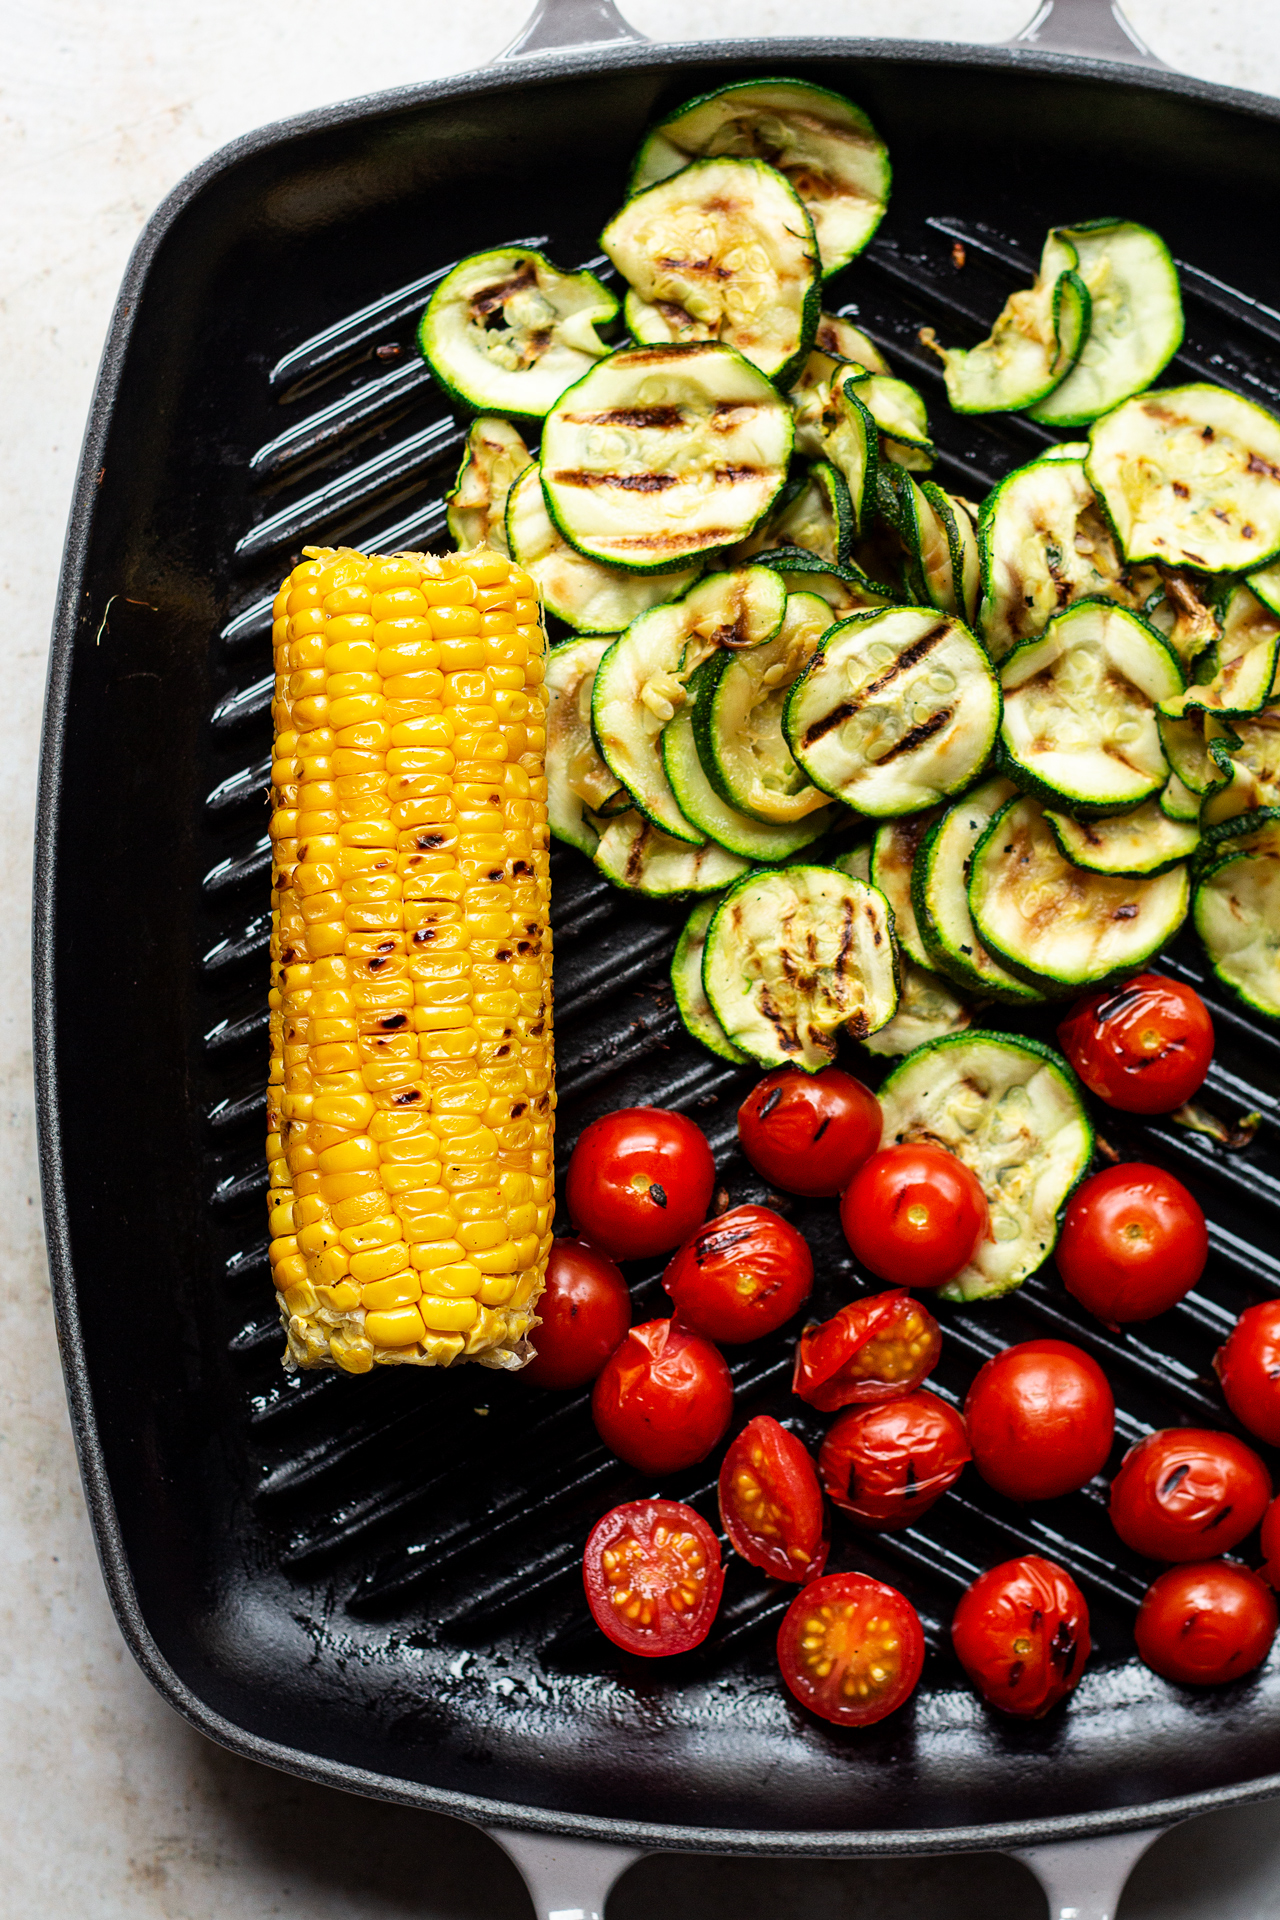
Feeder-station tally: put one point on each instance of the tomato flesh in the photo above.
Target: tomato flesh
(741, 1275)
(663, 1398)
(1144, 1047)
(771, 1503)
(1188, 1492)
(1206, 1622)
(1021, 1633)
(914, 1214)
(639, 1182)
(887, 1465)
(653, 1577)
(876, 1348)
(1041, 1419)
(1248, 1365)
(584, 1309)
(851, 1649)
(809, 1132)
(1133, 1242)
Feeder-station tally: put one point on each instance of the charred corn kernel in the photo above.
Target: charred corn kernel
(411, 1100)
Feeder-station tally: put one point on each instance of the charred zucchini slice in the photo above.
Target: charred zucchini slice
(686, 983)
(1237, 915)
(1135, 320)
(475, 510)
(893, 859)
(579, 784)
(1012, 1110)
(737, 719)
(585, 594)
(1257, 831)
(1237, 674)
(508, 332)
(1145, 841)
(640, 858)
(1186, 613)
(1031, 347)
(940, 898)
(899, 413)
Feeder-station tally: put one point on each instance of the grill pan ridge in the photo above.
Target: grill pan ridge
(342, 1576)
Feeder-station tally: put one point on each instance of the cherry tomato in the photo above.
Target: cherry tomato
(585, 1309)
(877, 1348)
(653, 1577)
(741, 1276)
(1271, 1543)
(1206, 1622)
(1133, 1242)
(639, 1182)
(887, 1465)
(771, 1503)
(1021, 1633)
(914, 1214)
(1144, 1047)
(663, 1398)
(1248, 1365)
(850, 1648)
(809, 1132)
(1188, 1492)
(1041, 1419)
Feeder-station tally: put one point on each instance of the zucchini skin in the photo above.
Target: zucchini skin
(942, 956)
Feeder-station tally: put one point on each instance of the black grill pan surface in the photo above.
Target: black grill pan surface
(376, 1581)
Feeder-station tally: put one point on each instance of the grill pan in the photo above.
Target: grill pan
(338, 1576)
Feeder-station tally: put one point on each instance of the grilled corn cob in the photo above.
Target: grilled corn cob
(411, 1091)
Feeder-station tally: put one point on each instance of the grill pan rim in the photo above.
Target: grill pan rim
(71, 616)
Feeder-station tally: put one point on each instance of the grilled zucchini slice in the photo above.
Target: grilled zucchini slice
(1146, 841)
(737, 719)
(1031, 347)
(1237, 675)
(838, 339)
(817, 517)
(507, 332)
(1187, 613)
(475, 511)
(1266, 584)
(851, 443)
(893, 859)
(820, 141)
(1135, 320)
(1012, 1110)
(1254, 760)
(1256, 831)
(640, 858)
(795, 954)
(686, 983)
(664, 454)
(1237, 915)
(928, 1006)
(940, 898)
(1196, 747)
(846, 589)
(899, 413)
(579, 785)
(1178, 802)
(583, 593)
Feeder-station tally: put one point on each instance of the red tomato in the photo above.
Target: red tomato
(771, 1503)
(914, 1214)
(585, 1309)
(640, 1181)
(887, 1465)
(653, 1577)
(1187, 1492)
(1205, 1623)
(1144, 1047)
(850, 1648)
(741, 1276)
(1271, 1543)
(809, 1132)
(1133, 1242)
(663, 1398)
(1248, 1365)
(877, 1348)
(1021, 1633)
(1041, 1419)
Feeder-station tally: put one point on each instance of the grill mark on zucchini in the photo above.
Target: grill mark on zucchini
(925, 730)
(489, 299)
(627, 482)
(909, 657)
(656, 416)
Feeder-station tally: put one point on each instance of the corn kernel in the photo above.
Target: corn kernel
(398, 1327)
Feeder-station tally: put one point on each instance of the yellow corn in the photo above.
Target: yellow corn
(411, 1089)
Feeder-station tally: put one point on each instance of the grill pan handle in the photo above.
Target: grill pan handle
(1094, 29)
(1084, 1879)
(567, 1879)
(555, 26)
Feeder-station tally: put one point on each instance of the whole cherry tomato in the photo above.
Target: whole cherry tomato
(1206, 1622)
(771, 1503)
(639, 1182)
(886, 1465)
(1248, 1365)
(1144, 1047)
(1188, 1492)
(663, 1398)
(809, 1132)
(1021, 1633)
(850, 1648)
(914, 1214)
(1041, 1418)
(653, 1577)
(877, 1348)
(1133, 1241)
(1271, 1543)
(585, 1309)
(741, 1275)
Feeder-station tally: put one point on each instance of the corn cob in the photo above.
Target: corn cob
(411, 1091)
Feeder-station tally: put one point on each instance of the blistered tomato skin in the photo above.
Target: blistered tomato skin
(1188, 1492)
(741, 1275)
(851, 1649)
(1144, 1046)
(585, 1309)
(653, 1577)
(877, 1348)
(809, 1132)
(886, 1465)
(639, 1182)
(1041, 1419)
(1206, 1623)
(914, 1214)
(1248, 1365)
(663, 1398)
(1021, 1633)
(1133, 1242)
(771, 1503)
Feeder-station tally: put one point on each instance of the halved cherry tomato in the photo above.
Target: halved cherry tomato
(1271, 1543)
(887, 1465)
(653, 1577)
(809, 1132)
(639, 1182)
(771, 1503)
(914, 1214)
(741, 1275)
(1188, 1492)
(850, 1648)
(877, 1348)
(1021, 1633)
(663, 1398)
(1206, 1622)
(1144, 1046)
(1041, 1420)
(1248, 1365)
(1133, 1241)
(585, 1309)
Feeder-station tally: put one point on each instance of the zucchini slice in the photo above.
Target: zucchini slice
(737, 719)
(946, 551)
(817, 516)
(579, 784)
(1146, 841)
(640, 858)
(850, 441)
(583, 593)
(686, 983)
(663, 454)
(819, 140)
(1178, 802)
(1238, 673)
(1135, 320)
(846, 589)
(1036, 911)
(1031, 347)
(940, 898)
(1188, 476)
(897, 710)
(1012, 1110)
(1257, 831)
(928, 1008)
(1080, 726)
(1266, 584)
(795, 954)
(1237, 915)
(722, 250)
(893, 859)
(1186, 613)
(1255, 760)
(508, 332)
(475, 511)
(1196, 747)
(839, 339)
(899, 413)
